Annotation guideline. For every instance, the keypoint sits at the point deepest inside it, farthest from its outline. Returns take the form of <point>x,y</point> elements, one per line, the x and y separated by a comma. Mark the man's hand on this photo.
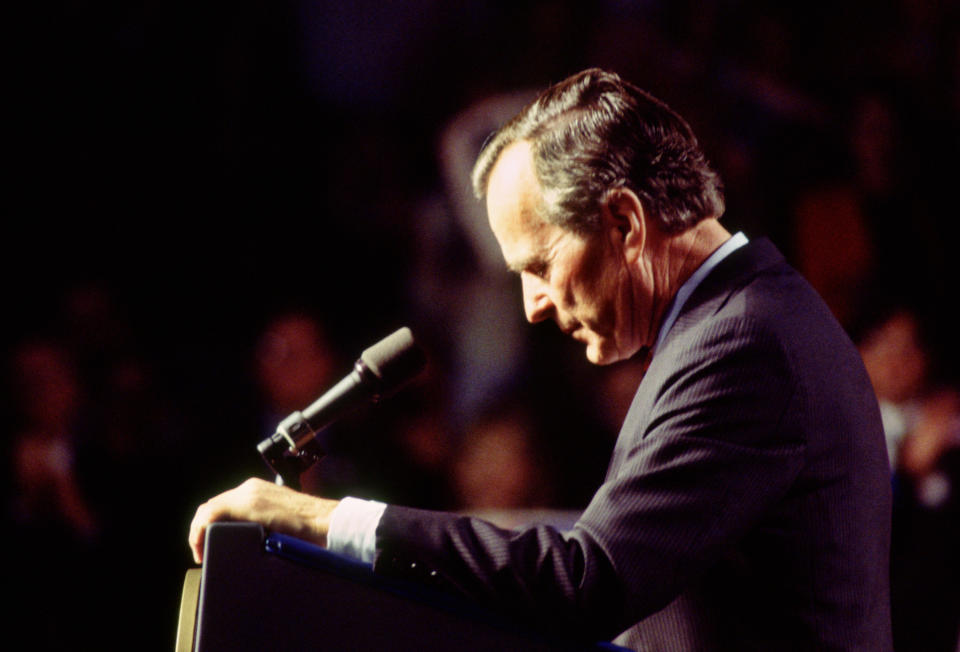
<point>279,509</point>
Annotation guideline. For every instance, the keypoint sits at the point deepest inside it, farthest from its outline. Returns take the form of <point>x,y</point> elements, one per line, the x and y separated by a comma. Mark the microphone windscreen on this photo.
<point>395,359</point>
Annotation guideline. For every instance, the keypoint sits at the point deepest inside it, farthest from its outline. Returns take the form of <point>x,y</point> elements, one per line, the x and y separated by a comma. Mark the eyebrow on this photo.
<point>517,266</point>
<point>527,263</point>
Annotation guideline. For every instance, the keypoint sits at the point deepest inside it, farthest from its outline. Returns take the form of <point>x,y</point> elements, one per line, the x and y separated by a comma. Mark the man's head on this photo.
<point>578,186</point>
<point>593,133</point>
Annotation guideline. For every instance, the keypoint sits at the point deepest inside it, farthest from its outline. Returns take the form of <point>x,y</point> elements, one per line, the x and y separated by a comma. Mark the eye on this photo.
<point>538,268</point>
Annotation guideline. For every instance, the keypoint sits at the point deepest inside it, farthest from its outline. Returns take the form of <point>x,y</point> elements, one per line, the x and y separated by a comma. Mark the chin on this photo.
<point>600,356</point>
<point>604,352</point>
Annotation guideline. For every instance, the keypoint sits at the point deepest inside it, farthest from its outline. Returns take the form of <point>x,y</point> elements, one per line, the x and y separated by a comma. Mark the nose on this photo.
<point>536,300</point>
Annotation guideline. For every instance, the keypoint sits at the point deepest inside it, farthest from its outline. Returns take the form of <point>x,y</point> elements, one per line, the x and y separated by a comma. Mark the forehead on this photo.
<point>513,204</point>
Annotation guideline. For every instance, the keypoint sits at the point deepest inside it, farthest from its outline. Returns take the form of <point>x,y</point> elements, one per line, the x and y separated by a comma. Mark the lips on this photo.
<point>577,333</point>
<point>569,330</point>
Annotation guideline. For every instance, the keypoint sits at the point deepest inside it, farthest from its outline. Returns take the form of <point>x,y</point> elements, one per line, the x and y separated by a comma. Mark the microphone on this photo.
<point>382,369</point>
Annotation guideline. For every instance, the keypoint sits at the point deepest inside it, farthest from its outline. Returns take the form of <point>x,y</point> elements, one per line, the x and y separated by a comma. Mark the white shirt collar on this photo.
<point>724,250</point>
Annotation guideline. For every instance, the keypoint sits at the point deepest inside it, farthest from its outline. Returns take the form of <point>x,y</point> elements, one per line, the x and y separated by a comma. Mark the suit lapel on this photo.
<point>734,272</point>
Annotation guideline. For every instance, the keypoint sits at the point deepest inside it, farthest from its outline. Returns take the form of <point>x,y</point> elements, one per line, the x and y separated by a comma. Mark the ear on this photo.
<point>624,221</point>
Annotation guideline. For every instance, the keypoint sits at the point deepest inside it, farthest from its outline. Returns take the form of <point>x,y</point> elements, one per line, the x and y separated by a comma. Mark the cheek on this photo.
<point>616,316</point>
<point>608,293</point>
<point>597,275</point>
<point>621,308</point>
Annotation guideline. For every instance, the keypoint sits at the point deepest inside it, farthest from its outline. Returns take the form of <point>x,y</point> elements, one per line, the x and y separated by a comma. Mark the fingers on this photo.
<point>198,531</point>
<point>226,506</point>
<point>196,540</point>
<point>277,508</point>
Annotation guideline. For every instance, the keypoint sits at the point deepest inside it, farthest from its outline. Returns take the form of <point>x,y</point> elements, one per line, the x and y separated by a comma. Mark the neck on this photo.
<point>687,251</point>
<point>676,258</point>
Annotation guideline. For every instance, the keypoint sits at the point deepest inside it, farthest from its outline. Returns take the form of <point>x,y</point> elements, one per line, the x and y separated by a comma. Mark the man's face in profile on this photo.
<point>578,281</point>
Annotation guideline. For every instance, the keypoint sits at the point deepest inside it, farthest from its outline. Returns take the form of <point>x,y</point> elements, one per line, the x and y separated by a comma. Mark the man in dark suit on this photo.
<point>747,502</point>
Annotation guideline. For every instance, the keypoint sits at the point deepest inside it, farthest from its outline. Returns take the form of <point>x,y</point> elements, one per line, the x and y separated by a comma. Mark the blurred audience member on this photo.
<point>294,366</point>
<point>54,531</point>
<point>935,433</point>
<point>834,248</point>
<point>96,331</point>
<point>92,431</point>
<point>921,418</point>
<point>864,209</point>
<point>128,435</point>
<point>47,496</point>
<point>841,222</point>
<point>499,465</point>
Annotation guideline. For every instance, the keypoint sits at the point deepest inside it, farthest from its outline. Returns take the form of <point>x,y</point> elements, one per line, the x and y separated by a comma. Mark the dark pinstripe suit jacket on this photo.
<point>747,502</point>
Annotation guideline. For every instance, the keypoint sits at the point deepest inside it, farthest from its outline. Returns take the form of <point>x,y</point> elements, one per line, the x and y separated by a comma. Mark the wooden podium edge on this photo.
<point>189,599</point>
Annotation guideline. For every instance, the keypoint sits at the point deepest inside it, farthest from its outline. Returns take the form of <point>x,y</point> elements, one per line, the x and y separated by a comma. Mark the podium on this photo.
<point>274,593</point>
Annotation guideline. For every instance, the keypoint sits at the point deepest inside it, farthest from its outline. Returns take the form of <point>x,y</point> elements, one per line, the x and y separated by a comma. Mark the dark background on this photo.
<point>200,166</point>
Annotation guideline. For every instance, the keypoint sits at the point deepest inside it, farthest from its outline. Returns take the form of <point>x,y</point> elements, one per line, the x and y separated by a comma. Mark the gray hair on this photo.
<point>593,133</point>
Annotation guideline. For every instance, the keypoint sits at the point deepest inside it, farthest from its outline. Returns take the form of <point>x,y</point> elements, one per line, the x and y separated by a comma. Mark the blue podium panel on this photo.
<point>279,594</point>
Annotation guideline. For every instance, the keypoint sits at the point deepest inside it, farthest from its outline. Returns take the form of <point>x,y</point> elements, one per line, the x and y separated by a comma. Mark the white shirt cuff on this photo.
<point>353,528</point>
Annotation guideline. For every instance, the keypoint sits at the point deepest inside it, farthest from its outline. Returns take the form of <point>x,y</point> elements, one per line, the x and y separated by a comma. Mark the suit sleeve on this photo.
<point>690,476</point>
